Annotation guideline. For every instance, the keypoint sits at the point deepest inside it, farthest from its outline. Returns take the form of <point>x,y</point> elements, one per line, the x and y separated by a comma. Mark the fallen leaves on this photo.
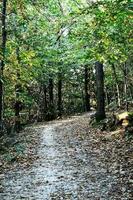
<point>19,149</point>
<point>71,160</point>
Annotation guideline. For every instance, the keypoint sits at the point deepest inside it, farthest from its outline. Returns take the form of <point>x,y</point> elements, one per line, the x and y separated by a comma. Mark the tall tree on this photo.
<point>51,113</point>
<point>2,61</point>
<point>117,85</point>
<point>60,107</point>
<point>100,112</point>
<point>87,82</point>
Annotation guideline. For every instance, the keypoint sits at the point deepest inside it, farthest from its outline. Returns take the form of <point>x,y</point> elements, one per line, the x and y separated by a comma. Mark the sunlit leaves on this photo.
<point>64,35</point>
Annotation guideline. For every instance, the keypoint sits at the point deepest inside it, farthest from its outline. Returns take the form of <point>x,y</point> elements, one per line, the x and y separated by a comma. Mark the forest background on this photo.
<point>61,57</point>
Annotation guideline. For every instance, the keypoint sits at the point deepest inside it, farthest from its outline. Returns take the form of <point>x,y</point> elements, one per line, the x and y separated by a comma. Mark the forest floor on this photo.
<point>67,160</point>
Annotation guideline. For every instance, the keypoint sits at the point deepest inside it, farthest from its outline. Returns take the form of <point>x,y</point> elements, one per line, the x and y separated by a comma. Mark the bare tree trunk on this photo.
<point>100,113</point>
<point>51,115</point>
<point>51,87</point>
<point>2,61</point>
<point>117,86</point>
<point>107,97</point>
<point>17,105</point>
<point>131,91</point>
<point>59,94</point>
<point>87,95</point>
<point>45,103</point>
<point>18,102</point>
<point>125,86</point>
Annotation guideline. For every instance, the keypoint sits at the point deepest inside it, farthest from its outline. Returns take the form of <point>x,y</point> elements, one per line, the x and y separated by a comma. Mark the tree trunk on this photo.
<point>59,95</point>
<point>131,91</point>
<point>100,112</point>
<point>51,114</point>
<point>87,95</point>
<point>45,103</point>
<point>2,61</point>
<point>107,97</point>
<point>18,103</point>
<point>51,87</point>
<point>117,86</point>
<point>125,86</point>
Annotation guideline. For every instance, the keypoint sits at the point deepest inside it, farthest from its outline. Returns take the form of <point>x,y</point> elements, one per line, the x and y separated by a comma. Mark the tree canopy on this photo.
<point>49,50</point>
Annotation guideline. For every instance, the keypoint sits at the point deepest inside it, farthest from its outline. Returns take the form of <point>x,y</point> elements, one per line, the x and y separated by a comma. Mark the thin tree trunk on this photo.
<point>107,97</point>
<point>2,61</point>
<point>17,105</point>
<point>59,95</point>
<point>17,91</point>
<point>125,86</point>
<point>117,86</point>
<point>45,106</point>
<point>87,95</point>
<point>51,100</point>
<point>100,113</point>
<point>115,94</point>
<point>51,87</point>
<point>131,91</point>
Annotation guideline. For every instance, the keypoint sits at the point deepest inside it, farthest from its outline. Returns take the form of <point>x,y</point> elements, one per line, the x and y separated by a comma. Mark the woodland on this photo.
<point>61,57</point>
<point>66,99</point>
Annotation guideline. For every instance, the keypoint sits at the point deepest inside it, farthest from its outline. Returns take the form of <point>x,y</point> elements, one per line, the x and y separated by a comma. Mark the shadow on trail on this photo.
<point>69,166</point>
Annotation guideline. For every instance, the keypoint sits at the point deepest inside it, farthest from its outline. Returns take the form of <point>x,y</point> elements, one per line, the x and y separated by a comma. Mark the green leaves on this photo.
<point>63,35</point>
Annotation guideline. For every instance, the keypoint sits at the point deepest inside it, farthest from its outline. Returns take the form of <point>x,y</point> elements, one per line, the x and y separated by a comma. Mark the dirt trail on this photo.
<point>71,165</point>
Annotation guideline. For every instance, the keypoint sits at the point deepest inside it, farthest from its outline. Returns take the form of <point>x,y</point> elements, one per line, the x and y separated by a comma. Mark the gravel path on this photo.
<point>71,166</point>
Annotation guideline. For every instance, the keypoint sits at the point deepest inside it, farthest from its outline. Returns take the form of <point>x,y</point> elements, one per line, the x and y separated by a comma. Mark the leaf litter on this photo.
<point>67,159</point>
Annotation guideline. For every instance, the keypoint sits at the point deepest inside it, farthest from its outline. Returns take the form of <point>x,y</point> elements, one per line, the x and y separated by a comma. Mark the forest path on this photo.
<point>72,164</point>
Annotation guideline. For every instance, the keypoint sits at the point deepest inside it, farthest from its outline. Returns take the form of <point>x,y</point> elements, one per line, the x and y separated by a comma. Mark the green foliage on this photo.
<point>62,36</point>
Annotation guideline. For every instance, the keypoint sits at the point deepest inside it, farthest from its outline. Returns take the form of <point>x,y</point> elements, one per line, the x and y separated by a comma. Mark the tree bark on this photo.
<point>45,103</point>
<point>107,97</point>
<point>125,86</point>
<point>117,86</point>
<point>18,103</point>
<point>51,114</point>
<point>59,95</point>
<point>100,112</point>
<point>51,87</point>
<point>87,95</point>
<point>2,61</point>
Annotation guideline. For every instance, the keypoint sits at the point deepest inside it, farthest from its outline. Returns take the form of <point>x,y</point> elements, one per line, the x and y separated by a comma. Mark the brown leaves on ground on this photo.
<point>113,149</point>
<point>19,150</point>
<point>80,160</point>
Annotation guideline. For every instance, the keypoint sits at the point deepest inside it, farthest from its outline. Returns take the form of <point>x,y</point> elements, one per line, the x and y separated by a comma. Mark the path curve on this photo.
<point>69,168</point>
